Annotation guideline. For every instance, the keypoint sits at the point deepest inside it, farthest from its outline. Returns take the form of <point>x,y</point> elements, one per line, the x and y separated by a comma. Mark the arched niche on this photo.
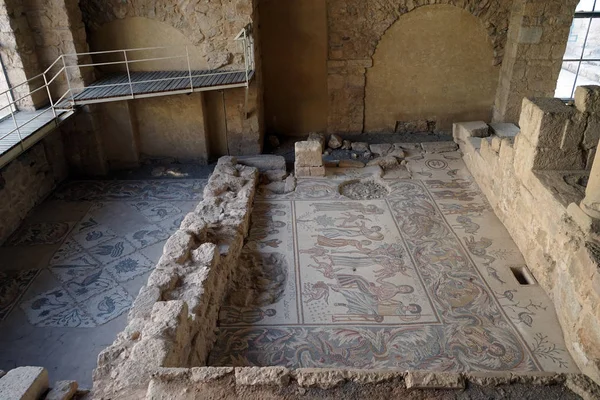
<point>435,63</point>
<point>141,32</point>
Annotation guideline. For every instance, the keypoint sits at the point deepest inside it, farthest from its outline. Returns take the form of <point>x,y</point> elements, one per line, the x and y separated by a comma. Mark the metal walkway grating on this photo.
<point>148,84</point>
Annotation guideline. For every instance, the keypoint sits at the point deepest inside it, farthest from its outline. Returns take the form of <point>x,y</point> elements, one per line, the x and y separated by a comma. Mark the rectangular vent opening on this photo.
<point>522,275</point>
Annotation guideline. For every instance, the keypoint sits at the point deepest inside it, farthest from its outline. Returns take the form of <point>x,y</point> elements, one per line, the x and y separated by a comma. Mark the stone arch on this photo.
<point>414,78</point>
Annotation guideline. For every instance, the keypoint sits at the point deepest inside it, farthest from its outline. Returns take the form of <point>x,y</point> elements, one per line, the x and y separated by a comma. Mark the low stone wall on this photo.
<point>172,321</point>
<point>281,383</point>
<point>27,180</point>
<point>523,177</point>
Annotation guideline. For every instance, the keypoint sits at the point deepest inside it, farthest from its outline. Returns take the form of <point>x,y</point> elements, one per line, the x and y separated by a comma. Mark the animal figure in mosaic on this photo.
<point>372,233</point>
<point>467,224</point>
<point>454,195</point>
<point>325,268</point>
<point>335,243</point>
<point>349,220</point>
<point>384,291</point>
<point>479,248</point>
<point>315,291</point>
<point>465,209</point>
<point>453,184</point>
<point>368,209</point>
<point>236,315</point>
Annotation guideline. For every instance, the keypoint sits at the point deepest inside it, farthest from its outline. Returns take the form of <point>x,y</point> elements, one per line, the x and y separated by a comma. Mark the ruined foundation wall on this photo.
<point>173,319</point>
<point>227,383</point>
<point>28,179</point>
<point>523,179</point>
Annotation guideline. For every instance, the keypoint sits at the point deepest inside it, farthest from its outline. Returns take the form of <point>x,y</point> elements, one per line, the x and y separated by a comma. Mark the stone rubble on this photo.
<point>335,141</point>
<point>24,383</point>
<point>172,321</point>
<point>62,390</point>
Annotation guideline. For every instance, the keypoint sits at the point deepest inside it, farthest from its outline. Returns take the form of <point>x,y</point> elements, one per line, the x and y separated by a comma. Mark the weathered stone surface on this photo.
<point>319,378</point>
<point>360,147</point>
<point>24,383</point>
<point>346,145</point>
<point>434,380</point>
<point>335,141</point>
<point>301,172</point>
<point>398,153</point>
<point>504,130</point>
<point>407,146</point>
<point>62,390</point>
<point>439,147</point>
<point>308,154</point>
<point>290,184</point>
<point>587,99</point>
<point>263,162</point>
<point>544,120</point>
<point>252,376</point>
<point>317,171</point>
<point>384,162</point>
<point>276,175</point>
<point>319,138</point>
<point>2,373</point>
<point>380,149</point>
<point>351,164</point>
<point>178,246</point>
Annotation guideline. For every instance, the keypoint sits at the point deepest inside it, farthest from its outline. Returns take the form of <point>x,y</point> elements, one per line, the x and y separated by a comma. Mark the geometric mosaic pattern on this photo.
<point>417,280</point>
<point>94,261</point>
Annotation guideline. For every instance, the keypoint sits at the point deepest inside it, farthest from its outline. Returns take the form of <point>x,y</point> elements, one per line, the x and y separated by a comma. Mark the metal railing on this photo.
<point>23,94</point>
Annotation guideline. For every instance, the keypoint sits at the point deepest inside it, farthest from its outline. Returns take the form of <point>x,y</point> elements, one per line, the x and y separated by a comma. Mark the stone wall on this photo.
<point>209,28</point>
<point>320,383</point>
<point>27,180</point>
<point>536,43</point>
<point>532,180</point>
<point>172,321</point>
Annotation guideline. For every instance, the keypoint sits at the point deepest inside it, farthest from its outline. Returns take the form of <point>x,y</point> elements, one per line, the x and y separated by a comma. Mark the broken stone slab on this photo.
<point>384,162</point>
<point>290,184</point>
<point>24,383</point>
<point>587,99</point>
<point>346,145</point>
<point>504,130</point>
<point>360,147</point>
<point>381,149</point>
<point>434,380</point>
<point>407,146</point>
<point>351,164</point>
<point>178,246</point>
<point>398,153</point>
<point>335,141</point>
<point>308,154</point>
<point>474,128</point>
<point>275,175</point>
<point>317,137</point>
<point>254,376</point>
<point>439,147</point>
<point>62,390</point>
<point>262,162</point>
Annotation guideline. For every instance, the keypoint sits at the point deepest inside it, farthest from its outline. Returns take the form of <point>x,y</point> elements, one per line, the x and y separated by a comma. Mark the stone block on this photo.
<point>584,221</point>
<point>530,34</point>
<point>591,135</point>
<point>473,129</point>
<point>62,390</point>
<point>317,137</point>
<point>384,162</point>
<point>301,172</point>
<point>24,383</point>
<point>360,146</point>
<point>381,149</point>
<point>574,130</point>
<point>434,380</point>
<point>504,130</point>
<point>317,171</point>
<point>253,376</point>
<point>263,162</point>
<point>439,147</point>
<point>178,246</point>
<point>587,99</point>
<point>543,121</point>
<point>496,143</point>
<point>308,154</point>
<point>335,141</point>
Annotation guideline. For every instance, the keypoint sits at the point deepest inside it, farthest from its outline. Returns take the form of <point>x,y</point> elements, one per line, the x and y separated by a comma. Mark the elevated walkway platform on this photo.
<point>123,86</point>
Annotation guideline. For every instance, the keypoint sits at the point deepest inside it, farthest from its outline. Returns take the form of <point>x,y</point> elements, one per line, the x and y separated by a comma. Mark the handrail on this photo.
<point>16,94</point>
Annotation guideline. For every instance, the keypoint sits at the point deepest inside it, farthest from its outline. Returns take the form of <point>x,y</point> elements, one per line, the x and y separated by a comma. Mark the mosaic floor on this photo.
<point>420,279</point>
<point>71,271</point>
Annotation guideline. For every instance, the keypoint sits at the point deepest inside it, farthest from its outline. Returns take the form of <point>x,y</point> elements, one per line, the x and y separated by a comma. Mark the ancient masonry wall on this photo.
<point>321,383</point>
<point>523,177</point>
<point>528,37</point>
<point>172,321</point>
<point>28,179</point>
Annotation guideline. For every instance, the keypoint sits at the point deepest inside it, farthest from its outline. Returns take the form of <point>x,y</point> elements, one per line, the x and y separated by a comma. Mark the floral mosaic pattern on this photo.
<point>418,280</point>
